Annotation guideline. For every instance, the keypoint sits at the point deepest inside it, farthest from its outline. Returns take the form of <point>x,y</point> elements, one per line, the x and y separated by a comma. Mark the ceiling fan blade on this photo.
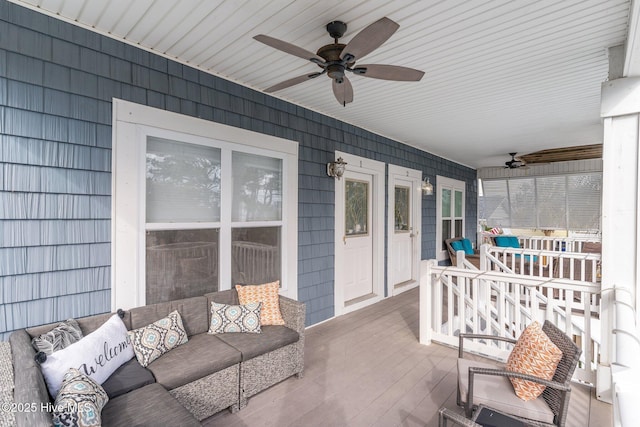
<point>389,72</point>
<point>289,48</point>
<point>291,82</point>
<point>369,39</point>
<point>343,91</point>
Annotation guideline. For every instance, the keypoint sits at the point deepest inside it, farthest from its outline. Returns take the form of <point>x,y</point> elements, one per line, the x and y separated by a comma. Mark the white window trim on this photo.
<point>131,124</point>
<point>452,184</point>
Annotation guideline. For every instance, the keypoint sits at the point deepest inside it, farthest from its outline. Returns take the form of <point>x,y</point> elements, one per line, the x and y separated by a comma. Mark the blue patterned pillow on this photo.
<point>235,318</point>
<point>79,401</point>
<point>156,339</point>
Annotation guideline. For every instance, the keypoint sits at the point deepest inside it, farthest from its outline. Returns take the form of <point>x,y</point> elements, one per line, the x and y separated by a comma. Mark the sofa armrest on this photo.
<point>293,313</point>
<point>29,386</point>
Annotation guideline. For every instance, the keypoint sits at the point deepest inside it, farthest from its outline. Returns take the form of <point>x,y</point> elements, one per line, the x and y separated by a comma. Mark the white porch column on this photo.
<point>620,110</point>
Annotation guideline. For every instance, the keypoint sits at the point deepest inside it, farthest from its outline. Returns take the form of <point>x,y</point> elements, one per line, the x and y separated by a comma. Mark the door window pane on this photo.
<point>402,212</point>
<point>257,188</point>
<point>182,182</point>
<point>446,203</point>
<point>255,255</point>
<point>356,207</point>
<point>181,264</point>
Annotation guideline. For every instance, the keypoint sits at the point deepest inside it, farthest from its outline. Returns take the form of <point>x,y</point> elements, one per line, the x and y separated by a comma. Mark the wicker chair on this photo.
<point>473,259</point>
<point>488,384</point>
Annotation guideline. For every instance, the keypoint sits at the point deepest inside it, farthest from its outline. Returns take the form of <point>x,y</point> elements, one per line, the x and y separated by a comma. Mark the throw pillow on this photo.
<point>467,246</point>
<point>97,355</point>
<point>156,339</point>
<point>268,295</point>
<point>235,318</point>
<point>79,402</point>
<point>533,354</point>
<point>456,245</point>
<point>63,335</point>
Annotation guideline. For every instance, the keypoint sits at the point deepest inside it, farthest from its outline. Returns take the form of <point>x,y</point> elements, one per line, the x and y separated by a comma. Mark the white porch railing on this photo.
<point>456,299</point>
<point>566,244</point>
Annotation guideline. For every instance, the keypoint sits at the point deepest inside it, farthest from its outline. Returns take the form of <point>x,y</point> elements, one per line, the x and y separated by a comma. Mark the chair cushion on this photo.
<point>534,354</point>
<point>150,405</point>
<point>202,355</point>
<point>253,345</point>
<point>497,392</point>
<point>507,241</point>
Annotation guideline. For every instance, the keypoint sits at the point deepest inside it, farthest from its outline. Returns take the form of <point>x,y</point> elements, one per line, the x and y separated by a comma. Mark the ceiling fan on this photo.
<point>513,163</point>
<point>336,59</point>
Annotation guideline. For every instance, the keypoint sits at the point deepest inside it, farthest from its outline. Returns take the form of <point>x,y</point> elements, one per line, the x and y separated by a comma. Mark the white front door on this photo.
<point>358,240</point>
<point>404,223</point>
<point>359,234</point>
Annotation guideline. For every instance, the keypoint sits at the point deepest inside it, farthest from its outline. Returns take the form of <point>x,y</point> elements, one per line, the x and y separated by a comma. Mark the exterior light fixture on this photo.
<point>336,169</point>
<point>427,187</point>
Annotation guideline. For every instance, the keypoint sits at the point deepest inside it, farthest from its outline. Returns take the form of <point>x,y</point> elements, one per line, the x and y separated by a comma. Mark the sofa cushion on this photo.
<point>63,335</point>
<point>126,378</point>
<point>253,345</point>
<point>194,313</point>
<point>227,318</point>
<point>202,355</point>
<point>79,402</point>
<point>87,324</point>
<point>158,338</point>
<point>97,355</point>
<point>150,405</point>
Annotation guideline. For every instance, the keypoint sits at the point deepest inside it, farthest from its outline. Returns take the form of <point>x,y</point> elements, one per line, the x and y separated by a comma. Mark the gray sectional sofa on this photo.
<point>189,383</point>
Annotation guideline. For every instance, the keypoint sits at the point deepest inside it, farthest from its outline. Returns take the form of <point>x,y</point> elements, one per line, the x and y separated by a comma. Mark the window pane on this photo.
<point>255,255</point>
<point>402,202</point>
<point>494,203</point>
<point>458,230</point>
<point>446,232</point>
<point>522,201</point>
<point>356,207</point>
<point>446,203</point>
<point>183,182</point>
<point>181,264</point>
<point>257,188</point>
<point>552,201</point>
<point>458,204</point>
<point>584,194</point>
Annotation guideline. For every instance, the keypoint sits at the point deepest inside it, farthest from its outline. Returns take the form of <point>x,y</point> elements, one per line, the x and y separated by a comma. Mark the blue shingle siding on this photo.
<point>57,82</point>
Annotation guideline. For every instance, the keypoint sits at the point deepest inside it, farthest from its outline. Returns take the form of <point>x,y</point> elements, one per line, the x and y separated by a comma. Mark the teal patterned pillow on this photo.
<point>79,401</point>
<point>156,339</point>
<point>235,318</point>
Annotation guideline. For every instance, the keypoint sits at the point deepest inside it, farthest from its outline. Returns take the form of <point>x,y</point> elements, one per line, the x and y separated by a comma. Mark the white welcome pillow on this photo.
<point>97,355</point>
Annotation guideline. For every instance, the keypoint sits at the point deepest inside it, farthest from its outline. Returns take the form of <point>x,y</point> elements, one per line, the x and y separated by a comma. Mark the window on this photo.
<point>449,212</point>
<point>199,207</point>
<point>571,202</point>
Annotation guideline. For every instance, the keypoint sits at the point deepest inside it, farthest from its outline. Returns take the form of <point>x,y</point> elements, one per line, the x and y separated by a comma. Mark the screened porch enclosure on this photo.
<point>564,198</point>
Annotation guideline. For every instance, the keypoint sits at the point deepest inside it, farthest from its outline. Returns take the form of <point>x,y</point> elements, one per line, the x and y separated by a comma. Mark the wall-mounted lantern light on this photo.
<point>336,169</point>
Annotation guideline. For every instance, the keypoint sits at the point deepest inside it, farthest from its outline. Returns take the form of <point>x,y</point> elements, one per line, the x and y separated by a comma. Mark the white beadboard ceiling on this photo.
<point>501,76</point>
